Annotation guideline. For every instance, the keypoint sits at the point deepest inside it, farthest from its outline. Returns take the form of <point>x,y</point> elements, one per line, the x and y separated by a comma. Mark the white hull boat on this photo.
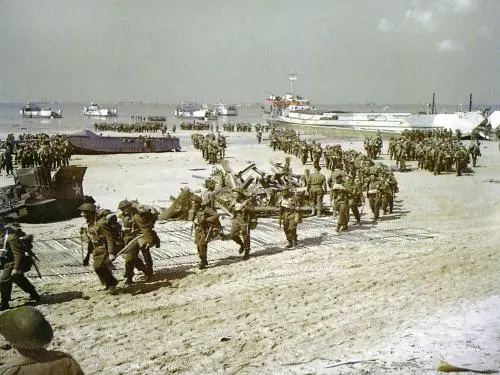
<point>294,110</point>
<point>222,109</point>
<point>191,111</point>
<point>34,111</point>
<point>93,110</point>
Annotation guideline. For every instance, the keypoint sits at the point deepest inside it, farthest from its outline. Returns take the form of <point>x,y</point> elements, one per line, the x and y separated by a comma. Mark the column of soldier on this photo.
<point>352,174</point>
<point>42,150</point>
<point>138,127</point>
<point>212,148</point>
<point>435,151</point>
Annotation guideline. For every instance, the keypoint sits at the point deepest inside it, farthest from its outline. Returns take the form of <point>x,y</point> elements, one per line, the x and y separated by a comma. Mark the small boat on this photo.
<point>35,111</point>
<point>222,109</point>
<point>90,143</point>
<point>191,111</point>
<point>94,110</point>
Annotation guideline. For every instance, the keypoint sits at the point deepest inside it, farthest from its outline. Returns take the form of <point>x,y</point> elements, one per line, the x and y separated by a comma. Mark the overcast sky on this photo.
<point>166,51</point>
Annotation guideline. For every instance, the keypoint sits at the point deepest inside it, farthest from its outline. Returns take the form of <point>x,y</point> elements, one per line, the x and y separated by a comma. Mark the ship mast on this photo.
<point>292,77</point>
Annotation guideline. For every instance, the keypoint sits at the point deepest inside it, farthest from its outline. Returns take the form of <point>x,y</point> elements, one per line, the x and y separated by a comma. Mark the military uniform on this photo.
<point>28,331</point>
<point>206,226</point>
<point>240,224</point>
<point>132,259</point>
<point>101,244</point>
<point>373,193</point>
<point>289,217</point>
<point>15,263</point>
<point>341,195</point>
<point>143,223</point>
<point>317,189</point>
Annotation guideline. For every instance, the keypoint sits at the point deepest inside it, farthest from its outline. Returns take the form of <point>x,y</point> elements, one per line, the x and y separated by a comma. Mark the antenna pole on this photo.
<point>292,77</point>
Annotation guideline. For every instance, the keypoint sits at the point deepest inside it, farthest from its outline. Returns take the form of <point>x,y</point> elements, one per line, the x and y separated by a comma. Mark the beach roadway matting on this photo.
<point>62,257</point>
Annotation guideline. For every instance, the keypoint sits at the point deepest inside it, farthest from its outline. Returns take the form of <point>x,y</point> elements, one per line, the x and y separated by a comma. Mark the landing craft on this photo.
<point>38,197</point>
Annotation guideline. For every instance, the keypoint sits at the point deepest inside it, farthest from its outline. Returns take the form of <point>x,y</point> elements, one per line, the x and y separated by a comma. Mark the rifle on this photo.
<point>28,248</point>
<point>208,233</point>
<point>128,246</point>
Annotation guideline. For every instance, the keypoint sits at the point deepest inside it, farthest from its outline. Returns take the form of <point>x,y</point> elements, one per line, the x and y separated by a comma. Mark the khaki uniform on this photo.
<point>207,226</point>
<point>341,196</point>
<point>317,189</point>
<point>101,244</point>
<point>289,217</point>
<point>132,259</point>
<point>240,228</point>
<point>14,258</point>
<point>373,193</point>
<point>52,362</point>
<point>143,223</point>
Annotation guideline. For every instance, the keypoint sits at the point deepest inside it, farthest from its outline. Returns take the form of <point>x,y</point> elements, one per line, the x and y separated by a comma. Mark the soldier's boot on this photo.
<point>6,290</point>
<point>238,240</point>
<point>246,255</point>
<point>128,280</point>
<point>290,245</point>
<point>23,283</point>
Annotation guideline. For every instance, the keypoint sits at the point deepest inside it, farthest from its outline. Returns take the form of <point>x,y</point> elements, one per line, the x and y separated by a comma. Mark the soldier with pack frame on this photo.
<point>101,244</point>
<point>132,259</point>
<point>206,226</point>
<point>15,260</point>
<point>143,223</point>
<point>242,221</point>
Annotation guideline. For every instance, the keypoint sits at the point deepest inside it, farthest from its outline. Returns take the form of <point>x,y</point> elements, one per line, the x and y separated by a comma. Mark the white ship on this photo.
<point>35,111</point>
<point>191,111</point>
<point>222,109</point>
<point>292,109</point>
<point>94,110</point>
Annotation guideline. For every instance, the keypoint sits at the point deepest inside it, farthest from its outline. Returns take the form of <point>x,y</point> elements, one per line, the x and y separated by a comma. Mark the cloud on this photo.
<point>448,45</point>
<point>424,18</point>
<point>385,25</point>
<point>456,6</point>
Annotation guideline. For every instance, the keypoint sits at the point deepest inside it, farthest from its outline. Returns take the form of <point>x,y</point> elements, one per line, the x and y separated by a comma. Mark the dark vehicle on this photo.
<point>38,197</point>
<point>89,143</point>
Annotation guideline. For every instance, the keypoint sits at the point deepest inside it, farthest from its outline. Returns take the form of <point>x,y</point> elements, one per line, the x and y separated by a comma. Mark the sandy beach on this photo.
<point>393,297</point>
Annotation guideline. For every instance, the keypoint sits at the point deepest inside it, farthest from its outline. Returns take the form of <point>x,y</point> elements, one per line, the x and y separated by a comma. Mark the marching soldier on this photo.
<point>317,190</point>
<point>101,244</point>
<point>206,226</point>
<point>373,193</point>
<point>240,224</point>
<point>15,263</point>
<point>289,217</point>
<point>356,198</point>
<point>132,259</point>
<point>341,196</point>
<point>143,223</point>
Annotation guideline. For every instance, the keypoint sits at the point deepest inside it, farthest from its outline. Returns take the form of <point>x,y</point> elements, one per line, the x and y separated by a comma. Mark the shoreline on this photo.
<point>385,291</point>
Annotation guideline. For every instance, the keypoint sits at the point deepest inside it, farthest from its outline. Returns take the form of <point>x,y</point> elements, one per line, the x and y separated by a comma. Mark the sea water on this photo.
<point>73,120</point>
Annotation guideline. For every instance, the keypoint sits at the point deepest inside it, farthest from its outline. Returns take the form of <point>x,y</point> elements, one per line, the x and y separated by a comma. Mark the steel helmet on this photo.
<point>124,203</point>
<point>26,328</point>
<point>87,207</point>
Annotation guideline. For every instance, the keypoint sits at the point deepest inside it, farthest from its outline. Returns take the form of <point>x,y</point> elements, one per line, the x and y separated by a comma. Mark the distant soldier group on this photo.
<point>138,127</point>
<point>437,152</point>
<point>35,150</point>
<point>212,148</point>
